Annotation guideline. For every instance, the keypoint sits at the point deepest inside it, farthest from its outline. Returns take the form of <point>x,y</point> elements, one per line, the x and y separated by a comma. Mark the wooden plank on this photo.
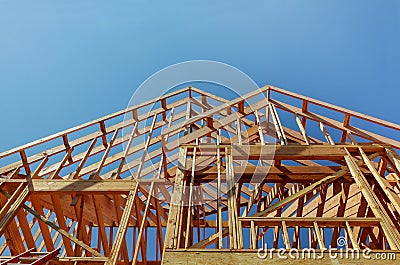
<point>144,217</point>
<point>127,147</point>
<point>26,229</point>
<point>42,225</point>
<point>13,205</point>
<point>85,157</point>
<point>302,129</point>
<point>145,150</point>
<point>117,186</point>
<point>233,213</point>
<point>391,234</point>
<point>352,237</point>
<point>40,167</point>
<point>66,158</point>
<point>189,216</point>
<point>62,223</point>
<point>346,123</point>
<point>12,238</point>
<point>338,125</point>
<point>25,162</point>
<point>123,225</point>
<point>58,229</point>
<point>253,235</point>
<point>100,223</point>
<point>385,186</point>
<point>285,235</point>
<point>219,194</point>
<point>215,110</point>
<point>260,131</point>
<point>319,235</point>
<point>296,152</point>
<point>170,235</point>
<point>393,159</point>
<point>209,240</point>
<point>338,109</point>
<point>309,221</point>
<point>304,108</point>
<point>300,193</point>
<point>105,155</point>
<point>117,204</point>
<point>326,133</point>
<point>278,126</point>
<point>80,231</point>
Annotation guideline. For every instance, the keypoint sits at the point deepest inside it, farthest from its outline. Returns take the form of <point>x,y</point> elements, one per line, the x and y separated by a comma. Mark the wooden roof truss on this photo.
<point>198,172</point>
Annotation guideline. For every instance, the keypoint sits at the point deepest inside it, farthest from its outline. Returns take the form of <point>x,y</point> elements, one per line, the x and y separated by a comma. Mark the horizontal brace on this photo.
<point>309,221</point>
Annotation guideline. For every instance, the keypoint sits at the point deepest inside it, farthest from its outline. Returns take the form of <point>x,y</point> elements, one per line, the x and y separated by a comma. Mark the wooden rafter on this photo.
<point>210,173</point>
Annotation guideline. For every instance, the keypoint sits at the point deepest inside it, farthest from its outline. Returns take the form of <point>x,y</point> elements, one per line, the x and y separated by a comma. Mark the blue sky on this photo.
<point>63,63</point>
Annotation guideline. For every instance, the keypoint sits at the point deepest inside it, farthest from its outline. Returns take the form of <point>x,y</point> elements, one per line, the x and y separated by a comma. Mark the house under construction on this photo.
<point>193,178</point>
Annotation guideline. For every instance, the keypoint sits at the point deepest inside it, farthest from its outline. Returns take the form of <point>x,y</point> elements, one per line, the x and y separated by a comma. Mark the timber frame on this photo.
<point>191,173</point>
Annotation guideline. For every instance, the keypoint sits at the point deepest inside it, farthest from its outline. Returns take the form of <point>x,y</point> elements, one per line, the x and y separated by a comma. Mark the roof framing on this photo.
<point>191,170</point>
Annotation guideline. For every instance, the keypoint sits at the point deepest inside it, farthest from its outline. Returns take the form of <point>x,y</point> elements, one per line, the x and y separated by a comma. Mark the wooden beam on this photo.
<point>209,240</point>
<point>62,224</point>
<point>123,225</point>
<point>353,239</point>
<point>112,186</point>
<point>58,229</point>
<point>300,193</point>
<point>278,126</point>
<point>13,205</point>
<point>100,223</point>
<point>320,239</point>
<point>391,234</point>
<point>309,221</point>
<point>176,199</point>
<point>302,129</point>
<point>383,183</point>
